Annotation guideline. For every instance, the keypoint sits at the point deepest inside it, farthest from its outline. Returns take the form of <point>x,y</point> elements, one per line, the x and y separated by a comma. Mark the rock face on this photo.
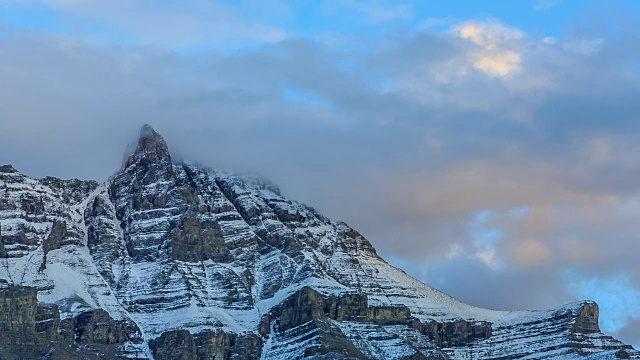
<point>29,330</point>
<point>176,344</point>
<point>454,333</point>
<point>587,319</point>
<point>98,327</point>
<point>18,336</point>
<point>174,261</point>
<point>207,345</point>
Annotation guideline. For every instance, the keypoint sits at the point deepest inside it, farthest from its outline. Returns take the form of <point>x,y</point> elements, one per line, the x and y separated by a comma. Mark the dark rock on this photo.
<point>389,315</point>
<point>303,306</point>
<point>212,345</point>
<point>55,238</point>
<point>18,308</point>
<point>454,333</point>
<point>48,320</point>
<point>18,336</point>
<point>3,253</point>
<point>7,169</point>
<point>622,354</point>
<point>20,236</point>
<point>143,190</point>
<point>353,240</point>
<point>218,345</point>
<point>151,156</point>
<point>350,307</point>
<point>265,325</point>
<point>587,319</point>
<point>333,344</point>
<point>73,191</point>
<point>174,345</point>
<point>308,311</point>
<point>207,345</point>
<point>307,304</point>
<point>32,204</point>
<point>197,240</point>
<point>98,327</point>
<point>102,236</point>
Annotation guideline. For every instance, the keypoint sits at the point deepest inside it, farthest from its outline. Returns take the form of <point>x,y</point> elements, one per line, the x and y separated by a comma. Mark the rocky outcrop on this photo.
<point>147,188</point>
<point>56,236</point>
<point>73,191</point>
<point>37,211</point>
<point>219,345</point>
<point>174,345</point>
<point>586,321</point>
<point>207,345</point>
<point>48,320</point>
<point>308,308</point>
<point>455,333</point>
<point>308,304</point>
<point>98,327</point>
<point>389,315</point>
<point>29,330</point>
<point>102,235</point>
<point>7,168</point>
<point>18,308</point>
<point>195,240</point>
<point>141,192</point>
<point>18,336</point>
<point>54,240</point>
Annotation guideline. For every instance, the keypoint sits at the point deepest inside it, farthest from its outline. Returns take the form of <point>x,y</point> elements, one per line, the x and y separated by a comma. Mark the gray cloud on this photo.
<point>412,138</point>
<point>191,24</point>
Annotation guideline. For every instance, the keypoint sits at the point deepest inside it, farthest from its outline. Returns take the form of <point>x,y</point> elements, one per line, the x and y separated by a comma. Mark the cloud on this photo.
<point>531,252</point>
<point>191,24</point>
<point>496,55</point>
<point>584,46</point>
<point>630,333</point>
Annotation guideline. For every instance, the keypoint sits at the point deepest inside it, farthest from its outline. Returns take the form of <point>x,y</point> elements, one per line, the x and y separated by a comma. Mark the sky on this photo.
<point>490,149</point>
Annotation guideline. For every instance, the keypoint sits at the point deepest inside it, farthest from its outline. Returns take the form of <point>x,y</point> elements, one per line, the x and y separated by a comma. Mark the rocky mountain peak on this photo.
<point>174,261</point>
<point>8,169</point>
<point>151,148</point>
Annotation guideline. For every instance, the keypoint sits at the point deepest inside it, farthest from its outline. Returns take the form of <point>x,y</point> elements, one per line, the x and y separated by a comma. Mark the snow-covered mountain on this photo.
<point>173,261</point>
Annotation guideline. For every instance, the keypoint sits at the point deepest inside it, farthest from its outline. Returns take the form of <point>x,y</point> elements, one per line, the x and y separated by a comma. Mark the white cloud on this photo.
<point>498,53</point>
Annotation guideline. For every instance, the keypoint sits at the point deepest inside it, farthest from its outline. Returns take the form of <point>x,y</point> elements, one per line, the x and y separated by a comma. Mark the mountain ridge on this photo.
<point>185,262</point>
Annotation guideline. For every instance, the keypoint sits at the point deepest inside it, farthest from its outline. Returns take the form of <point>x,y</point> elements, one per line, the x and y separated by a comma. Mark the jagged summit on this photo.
<point>151,160</point>
<point>174,261</point>
<point>152,148</point>
<point>8,169</point>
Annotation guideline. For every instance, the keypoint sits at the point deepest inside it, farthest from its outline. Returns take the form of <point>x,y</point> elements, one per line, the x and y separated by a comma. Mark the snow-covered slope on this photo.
<point>248,273</point>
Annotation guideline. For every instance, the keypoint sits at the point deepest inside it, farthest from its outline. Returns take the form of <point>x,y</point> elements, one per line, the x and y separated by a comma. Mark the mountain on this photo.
<point>173,261</point>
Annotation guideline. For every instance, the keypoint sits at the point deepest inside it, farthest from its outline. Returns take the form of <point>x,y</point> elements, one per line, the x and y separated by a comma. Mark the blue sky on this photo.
<point>475,140</point>
<point>105,22</point>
